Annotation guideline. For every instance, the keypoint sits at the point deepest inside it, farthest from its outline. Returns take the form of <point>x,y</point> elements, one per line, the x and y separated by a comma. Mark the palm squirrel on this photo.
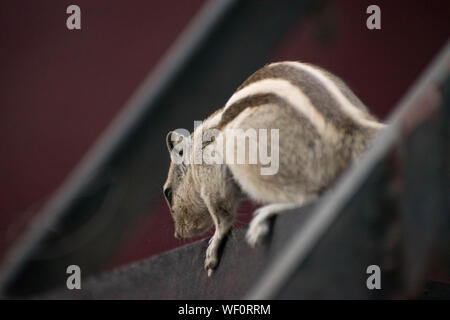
<point>317,127</point>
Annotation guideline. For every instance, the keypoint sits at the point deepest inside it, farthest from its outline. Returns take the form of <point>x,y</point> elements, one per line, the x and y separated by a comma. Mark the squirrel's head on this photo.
<point>188,211</point>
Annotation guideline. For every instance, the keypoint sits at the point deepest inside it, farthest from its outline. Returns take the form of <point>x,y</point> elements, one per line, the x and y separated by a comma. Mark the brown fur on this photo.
<point>204,195</point>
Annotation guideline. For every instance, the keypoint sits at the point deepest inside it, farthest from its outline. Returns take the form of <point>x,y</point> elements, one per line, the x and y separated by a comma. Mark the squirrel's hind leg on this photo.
<point>259,226</point>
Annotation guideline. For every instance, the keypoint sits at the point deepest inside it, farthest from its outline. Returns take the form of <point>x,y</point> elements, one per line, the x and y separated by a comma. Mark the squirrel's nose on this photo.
<point>177,235</point>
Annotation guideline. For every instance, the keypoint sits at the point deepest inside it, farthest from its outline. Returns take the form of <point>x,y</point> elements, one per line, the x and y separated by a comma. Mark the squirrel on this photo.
<point>321,126</point>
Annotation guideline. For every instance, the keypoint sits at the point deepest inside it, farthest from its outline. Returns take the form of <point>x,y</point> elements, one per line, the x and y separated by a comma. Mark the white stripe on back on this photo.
<point>351,110</point>
<point>292,95</point>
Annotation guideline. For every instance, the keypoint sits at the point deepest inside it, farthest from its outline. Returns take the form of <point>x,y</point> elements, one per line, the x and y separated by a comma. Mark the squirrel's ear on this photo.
<point>172,139</point>
<point>169,141</point>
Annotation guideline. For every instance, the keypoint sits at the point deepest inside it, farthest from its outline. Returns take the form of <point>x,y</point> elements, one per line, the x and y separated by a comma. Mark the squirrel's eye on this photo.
<point>168,195</point>
<point>180,153</point>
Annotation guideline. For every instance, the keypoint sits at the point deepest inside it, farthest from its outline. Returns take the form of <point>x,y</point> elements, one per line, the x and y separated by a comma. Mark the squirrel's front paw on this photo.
<point>211,260</point>
<point>257,231</point>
